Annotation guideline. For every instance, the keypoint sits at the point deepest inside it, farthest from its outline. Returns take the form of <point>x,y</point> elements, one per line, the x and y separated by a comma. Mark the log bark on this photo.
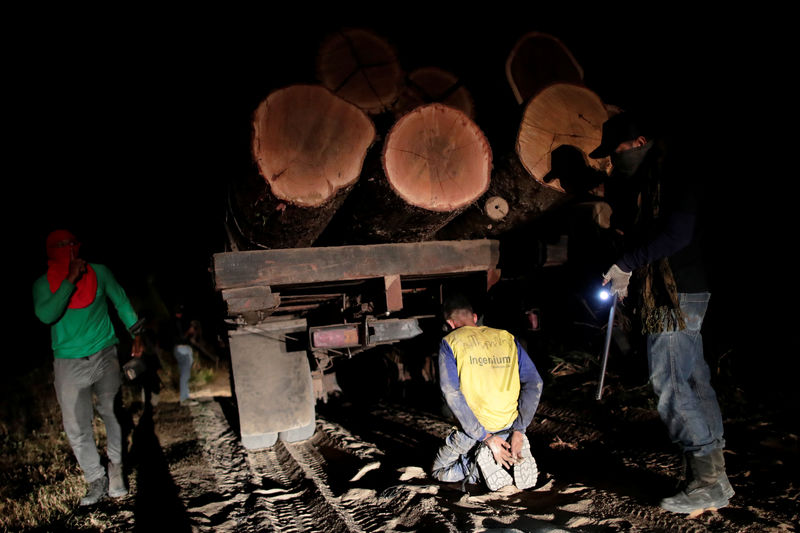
<point>538,60</point>
<point>361,67</point>
<point>434,162</point>
<point>434,85</point>
<point>562,114</point>
<point>559,126</point>
<point>513,199</point>
<point>308,148</point>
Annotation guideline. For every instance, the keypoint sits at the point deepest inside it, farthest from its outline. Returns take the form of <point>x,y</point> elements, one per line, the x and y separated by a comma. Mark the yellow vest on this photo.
<point>488,370</point>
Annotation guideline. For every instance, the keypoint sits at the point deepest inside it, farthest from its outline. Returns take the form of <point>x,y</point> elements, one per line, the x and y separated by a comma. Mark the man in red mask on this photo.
<point>72,297</point>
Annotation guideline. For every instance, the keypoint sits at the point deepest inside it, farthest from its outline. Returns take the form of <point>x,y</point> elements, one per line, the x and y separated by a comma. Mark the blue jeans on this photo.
<point>76,381</point>
<point>185,357</point>
<point>454,461</point>
<point>682,381</point>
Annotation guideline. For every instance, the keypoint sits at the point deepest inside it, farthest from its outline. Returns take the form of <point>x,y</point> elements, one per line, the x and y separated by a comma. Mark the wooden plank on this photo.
<point>343,263</point>
<point>245,299</point>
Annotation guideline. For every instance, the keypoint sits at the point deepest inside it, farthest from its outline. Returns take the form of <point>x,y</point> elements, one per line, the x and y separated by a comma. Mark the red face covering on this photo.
<point>58,269</point>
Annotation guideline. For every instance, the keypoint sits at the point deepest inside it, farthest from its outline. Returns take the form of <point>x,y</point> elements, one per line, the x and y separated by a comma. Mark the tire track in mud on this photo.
<point>358,515</point>
<point>273,489</point>
<point>283,488</point>
<point>235,506</point>
<point>341,480</point>
<point>396,500</point>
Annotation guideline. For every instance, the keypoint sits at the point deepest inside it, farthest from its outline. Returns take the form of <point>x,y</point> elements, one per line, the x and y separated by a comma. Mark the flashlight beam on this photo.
<point>607,346</point>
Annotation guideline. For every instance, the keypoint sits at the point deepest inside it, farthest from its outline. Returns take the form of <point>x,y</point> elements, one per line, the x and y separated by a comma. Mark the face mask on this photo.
<point>62,253</point>
<point>627,163</point>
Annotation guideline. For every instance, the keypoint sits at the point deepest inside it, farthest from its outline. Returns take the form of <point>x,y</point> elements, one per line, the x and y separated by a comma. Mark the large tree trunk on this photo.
<point>562,114</point>
<point>538,60</point>
<point>362,68</point>
<point>434,163</point>
<point>308,148</point>
<point>431,85</point>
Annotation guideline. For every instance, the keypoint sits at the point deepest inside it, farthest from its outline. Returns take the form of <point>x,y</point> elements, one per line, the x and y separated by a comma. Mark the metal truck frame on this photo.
<point>287,304</point>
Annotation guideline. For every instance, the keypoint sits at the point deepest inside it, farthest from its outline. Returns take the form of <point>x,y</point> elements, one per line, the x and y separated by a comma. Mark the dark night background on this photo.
<point>125,125</point>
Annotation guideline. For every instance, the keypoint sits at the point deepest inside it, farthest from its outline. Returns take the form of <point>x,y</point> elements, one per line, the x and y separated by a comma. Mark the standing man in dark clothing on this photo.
<point>150,380</point>
<point>72,297</point>
<point>656,197</point>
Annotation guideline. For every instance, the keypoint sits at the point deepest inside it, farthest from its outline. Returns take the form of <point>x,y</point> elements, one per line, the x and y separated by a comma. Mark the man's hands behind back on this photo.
<point>501,450</point>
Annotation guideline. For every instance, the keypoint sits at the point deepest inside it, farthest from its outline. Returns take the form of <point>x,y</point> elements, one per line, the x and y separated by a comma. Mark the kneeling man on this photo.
<point>493,388</point>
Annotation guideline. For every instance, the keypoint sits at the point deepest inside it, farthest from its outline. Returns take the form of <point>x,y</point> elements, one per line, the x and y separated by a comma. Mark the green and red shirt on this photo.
<point>80,332</point>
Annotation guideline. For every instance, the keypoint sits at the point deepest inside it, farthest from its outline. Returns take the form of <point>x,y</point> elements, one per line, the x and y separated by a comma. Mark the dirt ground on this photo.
<point>603,466</point>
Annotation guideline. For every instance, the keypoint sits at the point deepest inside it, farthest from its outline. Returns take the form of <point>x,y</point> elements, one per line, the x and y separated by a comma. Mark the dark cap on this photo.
<point>620,128</point>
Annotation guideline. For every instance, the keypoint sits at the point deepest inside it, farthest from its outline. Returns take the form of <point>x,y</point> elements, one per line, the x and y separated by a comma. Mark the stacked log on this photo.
<point>526,184</point>
<point>317,182</point>
<point>308,147</point>
<point>560,114</point>
<point>538,60</point>
<point>429,85</point>
<point>434,163</point>
<point>361,67</point>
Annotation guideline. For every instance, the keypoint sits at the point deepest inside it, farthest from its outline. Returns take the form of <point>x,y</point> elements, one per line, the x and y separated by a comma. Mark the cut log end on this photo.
<point>308,143</point>
<point>538,60</point>
<point>429,85</point>
<point>496,208</point>
<point>361,67</point>
<point>436,158</point>
<point>561,114</point>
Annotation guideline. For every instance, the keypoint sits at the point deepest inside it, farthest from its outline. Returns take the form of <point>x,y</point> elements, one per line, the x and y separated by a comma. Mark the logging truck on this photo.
<point>345,229</point>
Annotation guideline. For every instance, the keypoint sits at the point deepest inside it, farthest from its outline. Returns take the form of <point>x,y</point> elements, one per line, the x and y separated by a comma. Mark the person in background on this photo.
<point>493,389</point>
<point>183,331</point>
<point>72,298</point>
<point>657,194</point>
<point>150,380</point>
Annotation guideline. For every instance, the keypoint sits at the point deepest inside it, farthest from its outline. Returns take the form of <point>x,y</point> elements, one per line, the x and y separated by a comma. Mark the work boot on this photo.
<point>718,460</point>
<point>525,471</point>
<point>96,491</point>
<point>495,476</point>
<point>704,491</point>
<point>116,483</point>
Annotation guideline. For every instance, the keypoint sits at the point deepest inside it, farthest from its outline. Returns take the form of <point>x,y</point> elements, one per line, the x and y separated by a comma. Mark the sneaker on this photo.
<point>189,402</point>
<point>495,476</point>
<point>96,491</point>
<point>525,471</point>
<point>116,482</point>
